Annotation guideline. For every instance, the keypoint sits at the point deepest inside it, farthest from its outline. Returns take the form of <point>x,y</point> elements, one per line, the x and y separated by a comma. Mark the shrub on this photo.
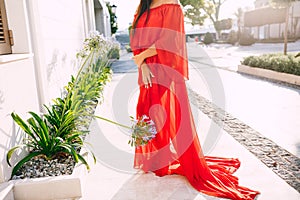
<point>114,52</point>
<point>232,37</point>
<point>208,38</point>
<point>246,39</point>
<point>277,62</point>
<point>128,48</point>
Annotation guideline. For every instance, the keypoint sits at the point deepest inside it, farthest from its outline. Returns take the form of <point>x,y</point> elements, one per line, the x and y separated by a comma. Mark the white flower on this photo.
<point>142,131</point>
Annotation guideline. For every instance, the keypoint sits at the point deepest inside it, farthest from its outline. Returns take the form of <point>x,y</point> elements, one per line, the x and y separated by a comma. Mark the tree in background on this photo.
<point>239,15</point>
<point>113,19</point>
<point>212,9</point>
<point>209,8</point>
<point>193,11</point>
<point>224,24</point>
<point>284,4</point>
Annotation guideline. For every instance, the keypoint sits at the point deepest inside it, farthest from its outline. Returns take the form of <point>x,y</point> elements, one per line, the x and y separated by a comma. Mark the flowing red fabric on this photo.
<point>176,148</point>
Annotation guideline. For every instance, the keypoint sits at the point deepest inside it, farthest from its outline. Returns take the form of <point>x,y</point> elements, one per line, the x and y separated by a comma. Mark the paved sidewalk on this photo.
<point>113,176</point>
<point>269,107</point>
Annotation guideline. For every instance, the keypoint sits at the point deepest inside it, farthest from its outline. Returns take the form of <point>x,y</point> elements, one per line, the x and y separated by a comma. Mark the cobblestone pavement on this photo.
<point>279,160</point>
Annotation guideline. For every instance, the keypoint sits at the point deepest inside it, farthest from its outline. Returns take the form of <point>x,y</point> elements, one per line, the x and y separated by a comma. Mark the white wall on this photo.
<point>61,34</point>
<point>48,34</point>
<point>62,30</point>
<point>18,91</point>
<point>17,94</point>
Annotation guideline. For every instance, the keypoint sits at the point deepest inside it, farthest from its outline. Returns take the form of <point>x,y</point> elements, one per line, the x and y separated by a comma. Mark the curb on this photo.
<point>269,74</point>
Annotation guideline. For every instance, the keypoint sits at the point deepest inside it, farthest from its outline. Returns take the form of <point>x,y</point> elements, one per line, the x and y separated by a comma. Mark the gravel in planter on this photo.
<point>41,167</point>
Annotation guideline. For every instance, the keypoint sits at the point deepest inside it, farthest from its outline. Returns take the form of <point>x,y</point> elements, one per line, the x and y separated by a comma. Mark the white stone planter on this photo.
<point>60,187</point>
<point>65,187</point>
<point>265,73</point>
<point>6,191</point>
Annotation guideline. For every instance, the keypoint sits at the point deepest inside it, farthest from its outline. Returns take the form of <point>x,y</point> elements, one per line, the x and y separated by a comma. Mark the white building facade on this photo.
<point>274,30</point>
<point>46,34</point>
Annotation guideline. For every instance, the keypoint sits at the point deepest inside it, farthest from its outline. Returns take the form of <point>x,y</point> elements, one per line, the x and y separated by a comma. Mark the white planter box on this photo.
<point>265,73</point>
<point>65,187</point>
<point>60,187</point>
<point>6,191</point>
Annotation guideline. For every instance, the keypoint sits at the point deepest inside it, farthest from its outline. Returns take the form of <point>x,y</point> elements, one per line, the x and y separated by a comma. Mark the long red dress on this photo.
<point>176,148</point>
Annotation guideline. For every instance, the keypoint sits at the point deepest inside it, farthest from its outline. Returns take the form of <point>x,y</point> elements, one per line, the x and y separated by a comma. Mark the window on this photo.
<point>5,39</point>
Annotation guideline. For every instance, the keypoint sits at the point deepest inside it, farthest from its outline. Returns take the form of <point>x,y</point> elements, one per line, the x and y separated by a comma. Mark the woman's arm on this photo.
<point>140,58</point>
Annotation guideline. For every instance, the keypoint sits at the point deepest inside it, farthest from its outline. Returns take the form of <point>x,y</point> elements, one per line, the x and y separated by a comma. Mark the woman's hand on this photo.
<point>138,59</point>
<point>146,75</point>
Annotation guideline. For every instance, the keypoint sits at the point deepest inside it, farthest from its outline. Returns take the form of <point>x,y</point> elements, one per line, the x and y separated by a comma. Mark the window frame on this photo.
<point>5,47</point>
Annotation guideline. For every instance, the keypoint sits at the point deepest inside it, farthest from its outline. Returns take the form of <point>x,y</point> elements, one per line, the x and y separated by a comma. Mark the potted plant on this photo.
<point>58,134</point>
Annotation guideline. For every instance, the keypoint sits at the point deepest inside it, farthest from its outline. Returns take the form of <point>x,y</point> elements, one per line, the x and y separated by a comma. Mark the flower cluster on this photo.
<point>95,42</point>
<point>143,130</point>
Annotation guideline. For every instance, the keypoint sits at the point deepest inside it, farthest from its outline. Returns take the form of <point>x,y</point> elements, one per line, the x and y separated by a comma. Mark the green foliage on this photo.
<point>224,24</point>
<point>198,10</point>
<point>246,39</point>
<point>277,62</point>
<point>64,125</point>
<point>193,11</point>
<point>232,37</point>
<point>128,48</point>
<point>114,52</point>
<point>208,38</point>
<point>113,18</point>
<point>41,141</point>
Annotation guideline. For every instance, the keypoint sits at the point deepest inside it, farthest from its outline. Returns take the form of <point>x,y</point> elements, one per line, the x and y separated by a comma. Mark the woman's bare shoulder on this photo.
<point>171,1</point>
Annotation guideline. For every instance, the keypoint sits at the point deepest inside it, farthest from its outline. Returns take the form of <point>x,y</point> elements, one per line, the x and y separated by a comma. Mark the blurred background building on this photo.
<point>267,23</point>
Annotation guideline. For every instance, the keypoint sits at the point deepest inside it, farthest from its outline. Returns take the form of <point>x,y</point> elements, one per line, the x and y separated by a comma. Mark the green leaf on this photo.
<point>24,160</point>
<point>44,128</point>
<point>84,162</point>
<point>21,123</point>
<point>11,151</point>
<point>70,150</point>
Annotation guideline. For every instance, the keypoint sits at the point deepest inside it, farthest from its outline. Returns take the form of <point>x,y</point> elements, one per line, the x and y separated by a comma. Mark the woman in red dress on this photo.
<point>159,48</point>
